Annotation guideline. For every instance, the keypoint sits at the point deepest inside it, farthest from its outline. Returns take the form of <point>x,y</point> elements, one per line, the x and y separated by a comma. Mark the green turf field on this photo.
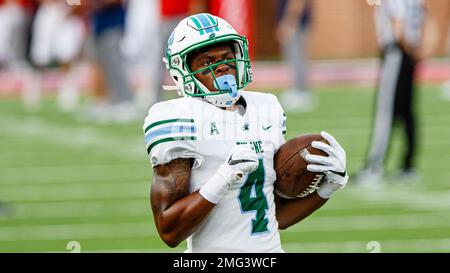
<point>62,180</point>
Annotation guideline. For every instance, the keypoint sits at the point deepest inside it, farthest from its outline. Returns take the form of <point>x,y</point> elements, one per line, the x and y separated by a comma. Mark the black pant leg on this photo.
<point>404,112</point>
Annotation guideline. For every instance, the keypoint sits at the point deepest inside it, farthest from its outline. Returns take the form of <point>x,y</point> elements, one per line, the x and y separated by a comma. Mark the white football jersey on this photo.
<point>244,220</point>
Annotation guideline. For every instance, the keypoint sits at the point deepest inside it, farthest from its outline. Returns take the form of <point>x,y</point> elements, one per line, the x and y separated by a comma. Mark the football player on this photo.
<point>212,151</point>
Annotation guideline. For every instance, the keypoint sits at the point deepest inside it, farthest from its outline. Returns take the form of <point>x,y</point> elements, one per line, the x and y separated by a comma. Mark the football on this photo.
<point>293,179</point>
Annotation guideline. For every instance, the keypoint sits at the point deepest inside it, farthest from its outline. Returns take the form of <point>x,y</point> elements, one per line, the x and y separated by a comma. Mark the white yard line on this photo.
<point>408,245</point>
<point>83,210</point>
<point>75,192</point>
<point>144,250</point>
<point>147,228</point>
<point>373,222</point>
<point>409,196</point>
<point>78,231</point>
<point>69,137</point>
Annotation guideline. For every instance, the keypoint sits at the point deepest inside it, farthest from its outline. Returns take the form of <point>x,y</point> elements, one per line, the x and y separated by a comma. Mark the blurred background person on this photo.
<point>16,18</point>
<point>294,20</point>
<point>13,21</point>
<point>116,104</point>
<point>142,48</point>
<point>58,35</point>
<point>399,26</point>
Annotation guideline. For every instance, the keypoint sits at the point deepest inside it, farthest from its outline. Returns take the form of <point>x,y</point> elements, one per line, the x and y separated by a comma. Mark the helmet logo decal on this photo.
<point>170,41</point>
<point>204,23</point>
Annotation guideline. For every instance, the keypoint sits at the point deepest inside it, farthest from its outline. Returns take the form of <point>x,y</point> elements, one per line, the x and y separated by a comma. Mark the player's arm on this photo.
<point>177,213</point>
<point>291,211</point>
<point>333,166</point>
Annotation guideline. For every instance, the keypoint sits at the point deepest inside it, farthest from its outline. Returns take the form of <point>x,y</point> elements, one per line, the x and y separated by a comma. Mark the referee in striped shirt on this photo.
<point>399,25</point>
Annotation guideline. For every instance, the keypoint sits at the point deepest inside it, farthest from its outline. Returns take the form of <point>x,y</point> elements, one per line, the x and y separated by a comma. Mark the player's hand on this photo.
<point>241,161</point>
<point>333,165</point>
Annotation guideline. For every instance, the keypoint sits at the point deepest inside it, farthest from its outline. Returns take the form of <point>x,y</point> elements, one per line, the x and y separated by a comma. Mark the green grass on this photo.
<point>64,180</point>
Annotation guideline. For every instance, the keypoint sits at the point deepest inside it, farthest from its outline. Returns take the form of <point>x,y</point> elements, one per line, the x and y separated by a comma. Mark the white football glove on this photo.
<point>333,165</point>
<point>241,161</point>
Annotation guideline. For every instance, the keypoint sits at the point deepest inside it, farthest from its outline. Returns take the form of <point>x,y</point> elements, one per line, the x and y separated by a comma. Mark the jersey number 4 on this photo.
<point>252,199</point>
